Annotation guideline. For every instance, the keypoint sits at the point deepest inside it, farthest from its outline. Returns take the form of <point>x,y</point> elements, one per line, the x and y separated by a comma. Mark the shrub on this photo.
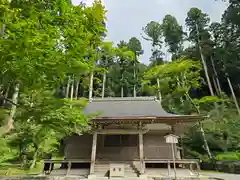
<point>228,156</point>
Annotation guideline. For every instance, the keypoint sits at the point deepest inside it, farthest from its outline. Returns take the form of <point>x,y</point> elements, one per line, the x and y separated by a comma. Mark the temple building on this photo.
<point>127,140</point>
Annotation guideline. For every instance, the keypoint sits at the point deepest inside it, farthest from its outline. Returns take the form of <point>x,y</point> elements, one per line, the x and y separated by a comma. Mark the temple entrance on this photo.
<point>120,140</point>
<point>117,147</point>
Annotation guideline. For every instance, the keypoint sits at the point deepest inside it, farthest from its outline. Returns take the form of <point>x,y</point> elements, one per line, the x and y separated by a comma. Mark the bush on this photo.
<point>232,156</point>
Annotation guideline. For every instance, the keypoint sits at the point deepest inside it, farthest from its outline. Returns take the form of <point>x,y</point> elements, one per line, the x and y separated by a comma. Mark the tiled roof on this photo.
<point>126,107</point>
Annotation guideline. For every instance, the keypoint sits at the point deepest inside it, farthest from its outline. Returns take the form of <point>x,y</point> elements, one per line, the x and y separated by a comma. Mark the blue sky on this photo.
<point>125,18</point>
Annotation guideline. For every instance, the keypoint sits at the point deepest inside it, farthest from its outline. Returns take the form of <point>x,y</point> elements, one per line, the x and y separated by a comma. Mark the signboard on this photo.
<point>171,139</point>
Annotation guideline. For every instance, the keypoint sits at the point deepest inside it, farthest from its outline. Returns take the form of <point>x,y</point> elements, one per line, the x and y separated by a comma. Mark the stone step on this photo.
<point>101,170</point>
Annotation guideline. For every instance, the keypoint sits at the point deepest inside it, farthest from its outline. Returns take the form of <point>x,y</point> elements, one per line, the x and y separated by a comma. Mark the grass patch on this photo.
<point>15,169</point>
<point>9,169</point>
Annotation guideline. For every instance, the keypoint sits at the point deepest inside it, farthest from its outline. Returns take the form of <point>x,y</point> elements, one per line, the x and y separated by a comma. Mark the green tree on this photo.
<point>124,59</point>
<point>135,46</point>
<point>173,35</point>
<point>43,44</point>
<point>43,119</point>
<point>196,23</point>
<point>107,59</point>
<point>154,33</point>
<point>177,79</point>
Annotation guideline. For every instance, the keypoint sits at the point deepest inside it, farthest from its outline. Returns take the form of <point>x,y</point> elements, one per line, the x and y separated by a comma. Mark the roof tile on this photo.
<point>127,107</point>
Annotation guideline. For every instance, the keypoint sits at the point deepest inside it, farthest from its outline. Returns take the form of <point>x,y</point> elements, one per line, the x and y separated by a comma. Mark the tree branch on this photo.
<point>8,100</point>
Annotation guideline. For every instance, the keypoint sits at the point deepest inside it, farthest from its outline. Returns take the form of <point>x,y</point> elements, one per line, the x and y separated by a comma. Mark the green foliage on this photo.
<point>173,35</point>
<point>6,151</point>
<point>154,32</point>
<point>41,44</point>
<point>196,19</point>
<point>135,46</point>
<point>228,156</point>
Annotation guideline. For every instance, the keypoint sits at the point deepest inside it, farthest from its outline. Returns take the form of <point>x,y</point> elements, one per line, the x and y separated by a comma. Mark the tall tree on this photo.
<point>124,59</point>
<point>153,32</point>
<point>196,22</point>
<point>43,44</point>
<point>177,79</point>
<point>173,35</point>
<point>135,46</point>
<point>107,59</point>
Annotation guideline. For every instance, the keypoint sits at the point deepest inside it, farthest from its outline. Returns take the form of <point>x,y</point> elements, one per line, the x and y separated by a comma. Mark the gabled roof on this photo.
<point>129,108</point>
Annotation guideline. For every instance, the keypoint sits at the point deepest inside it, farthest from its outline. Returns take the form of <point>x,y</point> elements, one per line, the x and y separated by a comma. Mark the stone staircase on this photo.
<point>102,169</point>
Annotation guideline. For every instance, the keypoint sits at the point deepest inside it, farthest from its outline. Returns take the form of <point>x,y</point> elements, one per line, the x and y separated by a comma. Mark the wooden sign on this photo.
<point>171,139</point>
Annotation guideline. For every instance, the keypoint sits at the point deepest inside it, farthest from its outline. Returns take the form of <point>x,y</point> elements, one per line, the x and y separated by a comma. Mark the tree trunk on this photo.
<point>134,76</point>
<point>33,163</point>
<point>90,86</point>
<point>233,94</point>
<point>103,83</point>
<point>122,93</point>
<point>134,86</point>
<point>201,127</point>
<point>68,87</point>
<point>204,64</point>
<point>77,88</point>
<point>215,85</point>
<point>159,92</point>
<point>219,90</point>
<point>205,140</point>
<point>72,89</point>
<point>2,30</point>
<point>13,109</point>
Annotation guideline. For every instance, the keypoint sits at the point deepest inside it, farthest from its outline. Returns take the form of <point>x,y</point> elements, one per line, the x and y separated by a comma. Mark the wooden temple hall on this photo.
<point>127,140</point>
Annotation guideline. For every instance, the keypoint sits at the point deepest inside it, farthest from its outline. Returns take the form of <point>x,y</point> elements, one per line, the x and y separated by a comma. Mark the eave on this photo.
<point>148,120</point>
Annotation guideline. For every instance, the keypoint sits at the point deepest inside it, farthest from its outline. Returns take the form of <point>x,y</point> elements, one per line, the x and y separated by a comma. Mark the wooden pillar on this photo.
<point>93,156</point>
<point>69,167</point>
<point>141,154</point>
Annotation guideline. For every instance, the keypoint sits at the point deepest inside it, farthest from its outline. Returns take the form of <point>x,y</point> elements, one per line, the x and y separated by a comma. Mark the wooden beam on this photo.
<point>137,118</point>
<point>147,120</point>
<point>93,156</point>
<point>121,131</point>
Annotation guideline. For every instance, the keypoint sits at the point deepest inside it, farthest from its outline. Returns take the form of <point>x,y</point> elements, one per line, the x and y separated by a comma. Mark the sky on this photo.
<point>126,18</point>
